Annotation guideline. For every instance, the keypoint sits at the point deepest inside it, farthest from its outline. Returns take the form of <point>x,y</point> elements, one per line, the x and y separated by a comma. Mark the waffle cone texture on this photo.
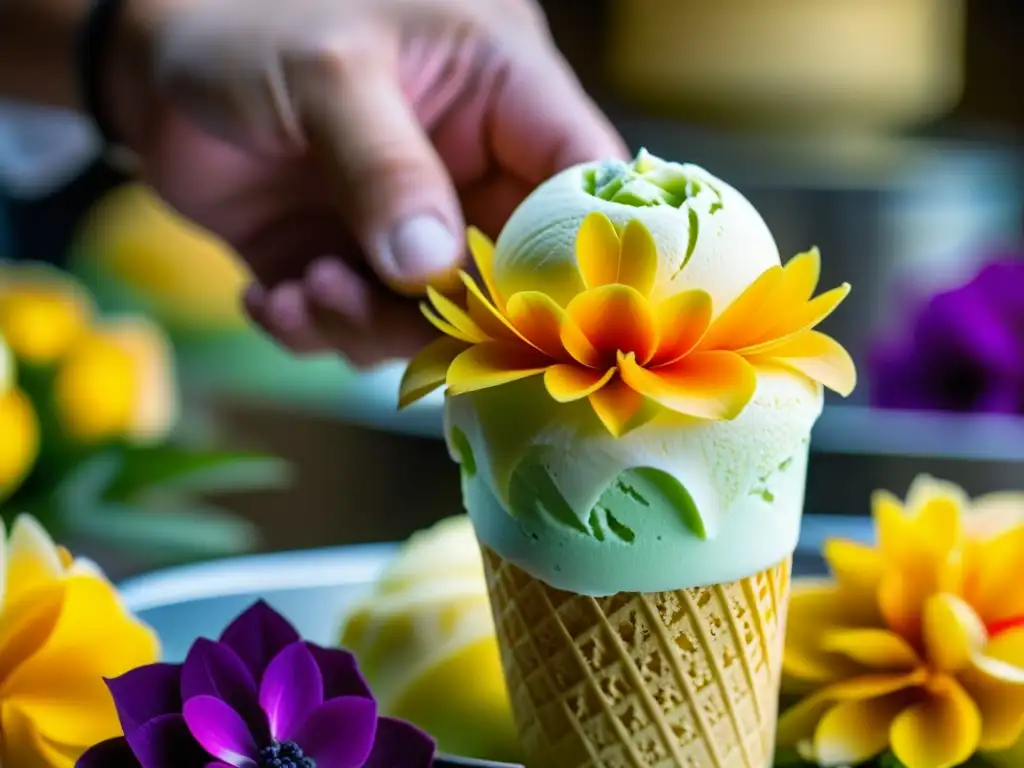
<point>688,678</point>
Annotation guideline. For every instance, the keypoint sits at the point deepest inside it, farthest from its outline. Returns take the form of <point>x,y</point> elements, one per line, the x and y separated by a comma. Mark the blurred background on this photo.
<point>887,132</point>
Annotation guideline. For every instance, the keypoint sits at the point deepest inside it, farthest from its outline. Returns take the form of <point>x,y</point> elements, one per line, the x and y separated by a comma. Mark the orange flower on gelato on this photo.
<point>917,644</point>
<point>614,345</point>
<point>63,630</point>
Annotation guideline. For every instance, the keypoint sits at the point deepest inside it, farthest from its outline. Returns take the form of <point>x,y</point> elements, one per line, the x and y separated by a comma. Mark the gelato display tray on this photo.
<point>315,588</point>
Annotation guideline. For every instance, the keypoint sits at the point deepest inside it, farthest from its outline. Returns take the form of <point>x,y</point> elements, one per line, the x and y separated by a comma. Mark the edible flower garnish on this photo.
<point>614,345</point>
<point>916,646</point>
<point>260,697</point>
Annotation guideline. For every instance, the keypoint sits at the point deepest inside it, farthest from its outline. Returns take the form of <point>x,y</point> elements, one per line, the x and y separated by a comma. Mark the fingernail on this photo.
<point>423,247</point>
<point>286,307</point>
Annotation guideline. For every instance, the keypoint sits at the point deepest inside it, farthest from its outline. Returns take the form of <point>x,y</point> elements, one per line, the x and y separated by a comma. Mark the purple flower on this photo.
<point>260,697</point>
<point>964,350</point>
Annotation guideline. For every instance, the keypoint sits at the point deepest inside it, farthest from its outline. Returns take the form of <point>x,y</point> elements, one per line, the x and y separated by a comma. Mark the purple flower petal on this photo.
<point>213,669</point>
<point>292,688</point>
<point>165,742</point>
<point>340,673</point>
<point>257,636</point>
<point>113,753</point>
<point>340,733</point>
<point>145,693</point>
<point>400,745</point>
<point>220,731</point>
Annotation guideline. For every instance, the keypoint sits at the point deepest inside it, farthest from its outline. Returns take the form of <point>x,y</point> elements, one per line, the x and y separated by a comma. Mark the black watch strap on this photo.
<point>95,38</point>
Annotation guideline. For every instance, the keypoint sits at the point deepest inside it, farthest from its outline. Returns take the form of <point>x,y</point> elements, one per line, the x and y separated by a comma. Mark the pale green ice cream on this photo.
<point>680,501</point>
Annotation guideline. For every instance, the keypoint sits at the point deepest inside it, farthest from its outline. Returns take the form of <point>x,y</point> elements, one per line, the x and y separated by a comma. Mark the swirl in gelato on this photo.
<point>631,393</point>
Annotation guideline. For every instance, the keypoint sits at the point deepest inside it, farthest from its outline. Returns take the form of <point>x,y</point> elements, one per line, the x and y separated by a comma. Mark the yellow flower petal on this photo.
<point>26,624</point>
<point>483,254</point>
<point>620,408</point>
<point>492,364</point>
<point>638,259</point>
<point>615,318</point>
<point>739,322</point>
<point>926,490</point>
<point>597,250</point>
<point>428,370</point>
<point>708,385</point>
<point>996,685</point>
<point>682,322</point>
<point>802,273</point>
<point>815,609</point>
<point>567,383</point>
<point>799,721</point>
<point>857,569</point>
<point>994,573</point>
<point>854,731</point>
<point>952,632</point>
<point>941,732</point>
<point>815,355</point>
<point>445,327</point>
<point>802,318</point>
<point>456,316</point>
<point>492,322</point>
<point>873,648</point>
<point>539,320</point>
<point>32,557</point>
<point>22,745</point>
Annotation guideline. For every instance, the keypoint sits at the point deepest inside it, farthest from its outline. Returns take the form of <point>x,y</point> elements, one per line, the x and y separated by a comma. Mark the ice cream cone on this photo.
<point>682,678</point>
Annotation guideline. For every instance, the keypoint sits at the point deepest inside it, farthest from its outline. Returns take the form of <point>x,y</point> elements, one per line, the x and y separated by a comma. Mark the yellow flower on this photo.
<point>63,630</point>
<point>42,312</point>
<point>917,644</point>
<point>425,641</point>
<point>183,274</point>
<point>7,366</point>
<point>118,382</point>
<point>19,439</point>
<point>612,344</point>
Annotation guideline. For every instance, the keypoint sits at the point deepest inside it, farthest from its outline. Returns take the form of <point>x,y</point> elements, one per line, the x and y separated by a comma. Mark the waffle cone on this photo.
<point>668,679</point>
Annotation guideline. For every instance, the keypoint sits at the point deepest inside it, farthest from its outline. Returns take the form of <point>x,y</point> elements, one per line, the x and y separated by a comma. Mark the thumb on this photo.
<point>393,189</point>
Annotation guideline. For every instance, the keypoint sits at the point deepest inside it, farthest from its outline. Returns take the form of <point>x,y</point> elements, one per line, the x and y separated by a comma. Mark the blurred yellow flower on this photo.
<point>425,642</point>
<point>118,382</point>
<point>917,645</point>
<point>19,439</point>
<point>7,366</point>
<point>42,312</point>
<point>183,274</point>
<point>63,630</point>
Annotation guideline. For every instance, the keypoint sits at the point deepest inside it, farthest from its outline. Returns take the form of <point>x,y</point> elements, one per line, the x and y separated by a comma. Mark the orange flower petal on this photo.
<point>620,408</point>
<point>615,318</point>
<point>952,632</point>
<point>873,648</point>
<point>492,364</point>
<point>940,732</point>
<point>428,370</point>
<point>456,316</point>
<point>638,259</point>
<point>492,322</point>
<point>598,250</point>
<point>803,317</point>
<point>483,255</point>
<point>540,320</point>
<point>445,327</point>
<point>854,731</point>
<point>683,320</point>
<point>817,356</point>
<point>739,322</point>
<point>708,385</point>
<point>567,383</point>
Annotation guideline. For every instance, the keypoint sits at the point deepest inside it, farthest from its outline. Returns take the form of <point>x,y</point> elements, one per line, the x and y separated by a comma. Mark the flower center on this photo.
<point>285,755</point>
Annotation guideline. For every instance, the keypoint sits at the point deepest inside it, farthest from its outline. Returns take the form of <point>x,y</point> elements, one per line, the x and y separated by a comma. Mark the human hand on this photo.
<point>340,146</point>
